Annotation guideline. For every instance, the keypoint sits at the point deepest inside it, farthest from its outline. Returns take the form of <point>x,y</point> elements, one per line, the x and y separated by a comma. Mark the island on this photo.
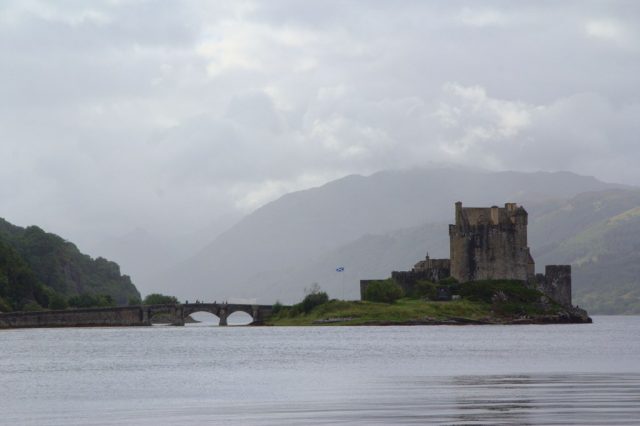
<point>450,303</point>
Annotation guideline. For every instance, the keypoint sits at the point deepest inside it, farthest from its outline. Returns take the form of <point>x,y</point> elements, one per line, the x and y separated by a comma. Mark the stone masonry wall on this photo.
<point>490,245</point>
<point>557,283</point>
<point>122,316</point>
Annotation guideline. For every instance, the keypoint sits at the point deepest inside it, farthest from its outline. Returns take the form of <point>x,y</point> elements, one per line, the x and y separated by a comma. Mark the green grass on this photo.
<point>477,303</point>
<point>402,311</point>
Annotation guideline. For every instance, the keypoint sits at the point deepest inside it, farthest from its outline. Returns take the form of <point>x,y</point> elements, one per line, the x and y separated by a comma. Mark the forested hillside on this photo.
<point>42,270</point>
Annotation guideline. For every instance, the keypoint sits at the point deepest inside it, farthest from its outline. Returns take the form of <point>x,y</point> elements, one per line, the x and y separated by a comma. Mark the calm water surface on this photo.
<point>553,374</point>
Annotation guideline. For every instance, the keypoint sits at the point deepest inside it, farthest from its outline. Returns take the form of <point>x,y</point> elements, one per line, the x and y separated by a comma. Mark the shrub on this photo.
<point>387,291</point>
<point>4,306</point>
<point>134,301</point>
<point>448,281</point>
<point>32,306</point>
<point>314,299</point>
<point>57,302</point>
<point>423,289</point>
<point>277,307</point>
<point>295,310</point>
<point>86,300</point>
<point>159,299</point>
<point>511,290</point>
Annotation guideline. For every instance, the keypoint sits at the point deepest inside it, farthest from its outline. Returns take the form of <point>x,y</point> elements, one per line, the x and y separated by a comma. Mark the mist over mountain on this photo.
<point>598,233</point>
<point>141,253</point>
<point>268,254</point>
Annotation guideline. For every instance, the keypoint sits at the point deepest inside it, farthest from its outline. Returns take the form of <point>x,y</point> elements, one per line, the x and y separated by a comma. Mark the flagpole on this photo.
<point>340,270</point>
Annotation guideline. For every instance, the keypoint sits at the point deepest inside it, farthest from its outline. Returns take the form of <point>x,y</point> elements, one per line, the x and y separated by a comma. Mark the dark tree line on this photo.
<point>40,270</point>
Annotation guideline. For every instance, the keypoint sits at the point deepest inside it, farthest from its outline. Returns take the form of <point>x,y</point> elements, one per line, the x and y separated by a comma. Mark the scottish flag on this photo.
<point>340,269</point>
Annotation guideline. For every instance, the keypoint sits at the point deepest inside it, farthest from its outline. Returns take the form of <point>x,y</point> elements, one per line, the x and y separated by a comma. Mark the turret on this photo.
<point>459,213</point>
<point>495,215</point>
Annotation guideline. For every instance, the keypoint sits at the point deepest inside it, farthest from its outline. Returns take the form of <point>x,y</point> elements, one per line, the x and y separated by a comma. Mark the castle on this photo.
<point>489,243</point>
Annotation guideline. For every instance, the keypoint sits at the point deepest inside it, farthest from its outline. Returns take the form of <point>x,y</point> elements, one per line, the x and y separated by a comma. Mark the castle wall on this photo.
<point>364,284</point>
<point>407,279</point>
<point>437,266</point>
<point>490,243</point>
<point>557,283</point>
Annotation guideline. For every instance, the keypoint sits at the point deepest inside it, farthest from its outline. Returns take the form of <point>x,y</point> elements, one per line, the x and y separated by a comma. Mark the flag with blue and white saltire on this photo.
<point>340,269</point>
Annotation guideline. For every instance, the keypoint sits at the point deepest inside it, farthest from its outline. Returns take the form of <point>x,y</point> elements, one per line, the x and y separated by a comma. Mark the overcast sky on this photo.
<point>125,114</point>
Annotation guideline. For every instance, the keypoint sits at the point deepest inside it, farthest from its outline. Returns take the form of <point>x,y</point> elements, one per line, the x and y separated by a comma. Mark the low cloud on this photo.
<point>117,115</point>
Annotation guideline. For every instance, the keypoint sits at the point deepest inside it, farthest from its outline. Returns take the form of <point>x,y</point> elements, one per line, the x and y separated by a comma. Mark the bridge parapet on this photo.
<point>85,317</point>
<point>139,315</point>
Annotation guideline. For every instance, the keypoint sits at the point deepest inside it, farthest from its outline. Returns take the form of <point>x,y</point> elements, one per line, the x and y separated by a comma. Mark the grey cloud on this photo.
<point>122,114</point>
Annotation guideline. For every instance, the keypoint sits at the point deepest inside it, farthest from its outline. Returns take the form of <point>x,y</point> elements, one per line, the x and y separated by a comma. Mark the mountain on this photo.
<point>370,256</point>
<point>256,257</point>
<point>598,233</point>
<point>142,254</point>
<point>36,265</point>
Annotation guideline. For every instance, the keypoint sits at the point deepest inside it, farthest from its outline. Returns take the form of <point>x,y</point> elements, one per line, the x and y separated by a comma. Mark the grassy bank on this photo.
<point>338,312</point>
<point>498,302</point>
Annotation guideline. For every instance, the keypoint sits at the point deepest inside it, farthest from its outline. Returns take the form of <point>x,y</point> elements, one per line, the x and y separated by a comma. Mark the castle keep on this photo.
<point>489,243</point>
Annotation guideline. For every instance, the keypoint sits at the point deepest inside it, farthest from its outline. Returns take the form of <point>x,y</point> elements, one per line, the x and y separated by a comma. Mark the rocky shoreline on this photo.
<point>570,316</point>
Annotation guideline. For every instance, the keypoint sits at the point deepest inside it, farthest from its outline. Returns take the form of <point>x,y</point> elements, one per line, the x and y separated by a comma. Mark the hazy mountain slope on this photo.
<point>142,254</point>
<point>60,266</point>
<point>598,233</point>
<point>370,256</point>
<point>300,227</point>
<point>604,248</point>
<point>139,254</point>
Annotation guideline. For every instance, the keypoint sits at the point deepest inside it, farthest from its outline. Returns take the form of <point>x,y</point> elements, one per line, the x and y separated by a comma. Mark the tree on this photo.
<point>57,302</point>
<point>315,297</point>
<point>277,307</point>
<point>18,284</point>
<point>159,299</point>
<point>134,301</point>
<point>31,256</point>
<point>86,300</point>
<point>387,291</point>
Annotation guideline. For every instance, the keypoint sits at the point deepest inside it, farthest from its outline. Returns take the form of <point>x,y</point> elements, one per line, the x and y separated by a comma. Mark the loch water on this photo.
<point>585,374</point>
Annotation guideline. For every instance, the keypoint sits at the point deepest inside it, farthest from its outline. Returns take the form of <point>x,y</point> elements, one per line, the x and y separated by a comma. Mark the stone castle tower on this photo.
<point>490,243</point>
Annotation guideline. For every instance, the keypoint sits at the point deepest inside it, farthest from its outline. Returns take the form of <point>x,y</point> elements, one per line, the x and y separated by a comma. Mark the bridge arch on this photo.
<point>202,318</point>
<point>240,317</point>
<point>223,310</point>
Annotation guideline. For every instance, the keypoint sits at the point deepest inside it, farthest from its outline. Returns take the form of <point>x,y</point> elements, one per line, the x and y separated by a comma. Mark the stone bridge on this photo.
<point>179,312</point>
<point>140,315</point>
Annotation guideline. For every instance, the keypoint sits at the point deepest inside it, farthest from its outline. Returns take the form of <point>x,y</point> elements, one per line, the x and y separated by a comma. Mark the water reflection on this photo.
<point>467,400</point>
<point>581,399</point>
<point>323,375</point>
<point>208,319</point>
